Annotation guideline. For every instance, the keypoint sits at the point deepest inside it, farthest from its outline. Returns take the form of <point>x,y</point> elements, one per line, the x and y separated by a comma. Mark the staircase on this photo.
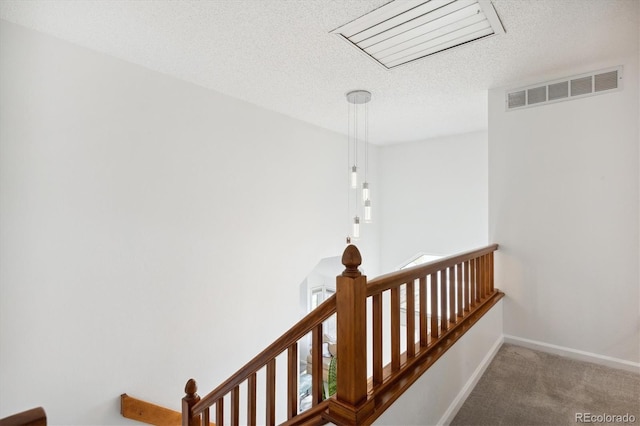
<point>443,300</point>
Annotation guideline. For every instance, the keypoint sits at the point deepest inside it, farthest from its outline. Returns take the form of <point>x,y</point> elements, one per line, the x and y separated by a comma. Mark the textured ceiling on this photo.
<point>278,54</point>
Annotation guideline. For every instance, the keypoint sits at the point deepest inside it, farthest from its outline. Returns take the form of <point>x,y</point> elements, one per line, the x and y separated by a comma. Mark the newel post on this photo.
<point>350,405</point>
<point>190,399</point>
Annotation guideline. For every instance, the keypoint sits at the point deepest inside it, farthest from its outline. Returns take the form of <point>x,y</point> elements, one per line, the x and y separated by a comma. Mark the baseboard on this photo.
<point>459,400</point>
<point>574,354</point>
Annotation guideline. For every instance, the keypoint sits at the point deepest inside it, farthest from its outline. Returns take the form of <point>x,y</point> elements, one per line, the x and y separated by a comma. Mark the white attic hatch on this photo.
<point>403,31</point>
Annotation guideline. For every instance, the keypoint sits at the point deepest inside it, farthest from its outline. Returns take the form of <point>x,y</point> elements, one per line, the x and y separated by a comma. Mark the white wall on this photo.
<point>563,186</point>
<point>147,227</point>
<point>436,397</point>
<point>434,197</point>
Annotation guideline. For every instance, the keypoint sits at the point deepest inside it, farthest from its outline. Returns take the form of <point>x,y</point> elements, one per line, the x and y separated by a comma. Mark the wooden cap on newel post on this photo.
<point>350,405</point>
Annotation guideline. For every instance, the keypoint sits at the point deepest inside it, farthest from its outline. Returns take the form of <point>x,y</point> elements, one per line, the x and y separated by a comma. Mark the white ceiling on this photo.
<point>278,54</point>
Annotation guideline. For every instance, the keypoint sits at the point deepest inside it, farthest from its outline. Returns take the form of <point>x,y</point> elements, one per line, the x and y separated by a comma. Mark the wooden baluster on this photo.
<point>424,341</point>
<point>316,365</point>
<point>478,281</point>
<point>452,295</point>
<point>460,297</point>
<point>444,322</point>
<point>271,393</point>
<point>292,381</point>
<point>467,286</point>
<point>472,296</point>
<point>206,417</point>
<point>351,404</point>
<point>376,307</point>
<point>251,397</point>
<point>491,271</point>
<point>395,328</point>
<point>434,306</point>
<point>485,274</point>
<point>190,399</point>
<point>235,406</point>
<point>411,319</point>
<point>472,283</point>
<point>220,411</point>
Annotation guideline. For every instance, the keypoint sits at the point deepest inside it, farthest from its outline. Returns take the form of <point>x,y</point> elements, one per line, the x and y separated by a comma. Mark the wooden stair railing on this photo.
<point>196,410</point>
<point>33,417</point>
<point>452,294</point>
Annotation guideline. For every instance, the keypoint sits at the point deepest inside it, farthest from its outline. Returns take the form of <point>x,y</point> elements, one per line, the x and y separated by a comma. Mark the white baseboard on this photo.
<point>459,400</point>
<point>574,354</point>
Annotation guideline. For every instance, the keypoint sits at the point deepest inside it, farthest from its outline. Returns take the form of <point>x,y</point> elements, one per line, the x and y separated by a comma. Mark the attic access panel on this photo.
<point>403,31</point>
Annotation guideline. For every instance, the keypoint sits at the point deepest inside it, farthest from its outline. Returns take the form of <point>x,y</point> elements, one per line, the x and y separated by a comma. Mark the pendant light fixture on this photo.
<point>356,228</point>
<point>358,146</point>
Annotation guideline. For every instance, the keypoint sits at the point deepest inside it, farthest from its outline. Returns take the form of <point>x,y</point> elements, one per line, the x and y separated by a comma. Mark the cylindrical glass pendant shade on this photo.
<point>365,191</point>
<point>367,211</point>
<point>354,177</point>
<point>356,227</point>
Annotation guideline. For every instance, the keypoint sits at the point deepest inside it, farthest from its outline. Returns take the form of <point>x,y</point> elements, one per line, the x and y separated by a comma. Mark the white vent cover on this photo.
<point>578,86</point>
<point>406,30</point>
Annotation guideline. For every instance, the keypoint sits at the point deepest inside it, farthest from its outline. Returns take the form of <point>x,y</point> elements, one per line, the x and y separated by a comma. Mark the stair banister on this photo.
<point>312,322</point>
<point>463,284</point>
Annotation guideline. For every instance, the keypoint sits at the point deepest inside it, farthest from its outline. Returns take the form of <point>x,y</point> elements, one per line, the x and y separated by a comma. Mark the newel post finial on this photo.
<point>189,400</point>
<point>351,259</point>
<point>191,388</point>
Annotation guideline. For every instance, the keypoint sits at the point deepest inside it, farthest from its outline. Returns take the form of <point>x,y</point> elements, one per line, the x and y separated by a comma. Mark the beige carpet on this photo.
<point>526,387</point>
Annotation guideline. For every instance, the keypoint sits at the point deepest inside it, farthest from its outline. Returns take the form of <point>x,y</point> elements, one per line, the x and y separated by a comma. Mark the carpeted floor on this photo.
<point>526,387</point>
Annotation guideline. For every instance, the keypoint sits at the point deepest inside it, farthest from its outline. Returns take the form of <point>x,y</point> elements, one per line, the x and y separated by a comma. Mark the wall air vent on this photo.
<point>403,31</point>
<point>579,86</point>
<point>517,99</point>
<point>606,81</point>
<point>558,90</point>
<point>537,95</point>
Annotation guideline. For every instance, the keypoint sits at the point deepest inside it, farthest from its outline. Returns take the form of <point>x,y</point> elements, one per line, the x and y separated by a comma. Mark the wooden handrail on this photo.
<point>146,412</point>
<point>301,329</point>
<point>454,293</point>
<point>32,417</point>
<point>149,413</point>
<point>397,278</point>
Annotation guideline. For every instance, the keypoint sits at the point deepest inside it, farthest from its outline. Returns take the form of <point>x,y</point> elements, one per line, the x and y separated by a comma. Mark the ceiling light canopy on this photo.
<point>403,31</point>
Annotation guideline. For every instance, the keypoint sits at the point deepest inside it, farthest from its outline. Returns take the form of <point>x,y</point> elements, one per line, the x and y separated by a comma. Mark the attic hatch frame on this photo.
<point>414,25</point>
